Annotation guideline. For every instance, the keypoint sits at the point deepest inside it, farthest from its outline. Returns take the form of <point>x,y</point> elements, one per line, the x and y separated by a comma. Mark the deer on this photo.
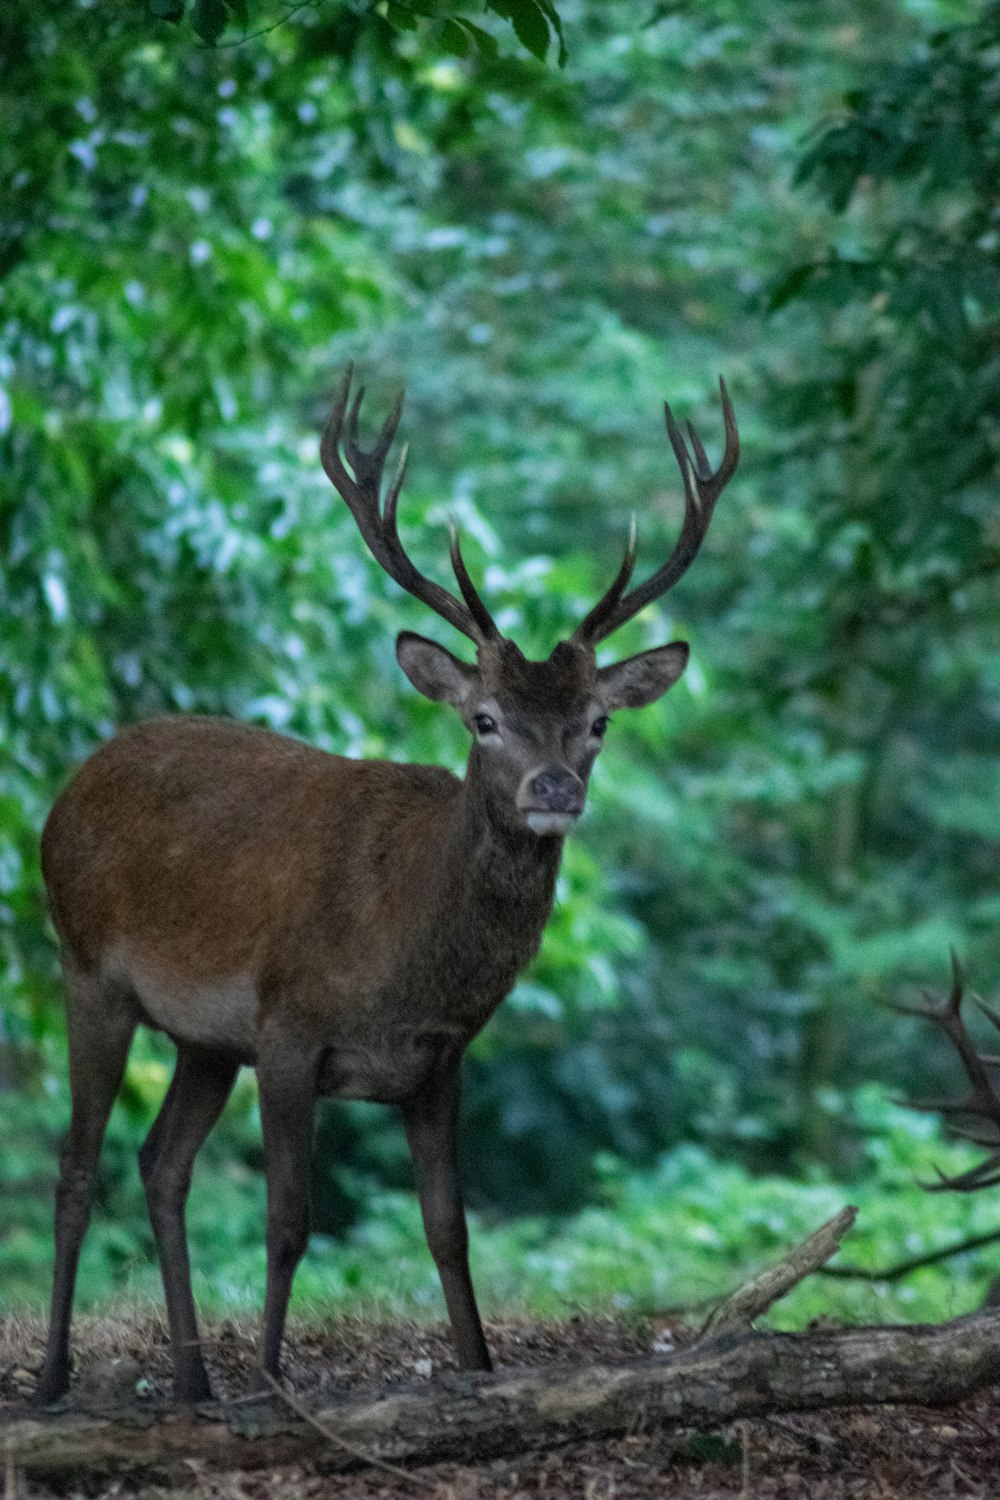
<point>345,927</point>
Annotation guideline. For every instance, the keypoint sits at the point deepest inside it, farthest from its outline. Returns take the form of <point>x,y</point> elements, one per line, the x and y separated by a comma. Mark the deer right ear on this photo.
<point>642,679</point>
<point>434,671</point>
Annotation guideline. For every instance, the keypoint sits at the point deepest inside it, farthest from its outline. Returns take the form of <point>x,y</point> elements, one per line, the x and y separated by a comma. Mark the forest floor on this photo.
<point>876,1453</point>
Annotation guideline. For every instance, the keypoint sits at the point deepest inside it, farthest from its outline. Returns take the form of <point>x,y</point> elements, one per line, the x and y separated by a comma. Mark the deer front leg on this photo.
<point>431,1120</point>
<point>287,1082</point>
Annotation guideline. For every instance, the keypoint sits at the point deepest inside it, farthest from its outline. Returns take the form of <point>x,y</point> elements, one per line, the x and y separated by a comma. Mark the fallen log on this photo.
<point>728,1372</point>
<point>485,1416</point>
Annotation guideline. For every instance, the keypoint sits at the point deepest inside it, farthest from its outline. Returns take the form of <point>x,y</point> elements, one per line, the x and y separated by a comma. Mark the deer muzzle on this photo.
<point>551,800</point>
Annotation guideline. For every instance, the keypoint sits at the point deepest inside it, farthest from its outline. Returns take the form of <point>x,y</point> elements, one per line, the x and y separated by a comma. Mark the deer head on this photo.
<point>537,726</point>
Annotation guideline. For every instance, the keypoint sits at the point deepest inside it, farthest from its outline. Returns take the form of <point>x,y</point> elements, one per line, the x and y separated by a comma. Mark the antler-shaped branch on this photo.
<point>702,487</point>
<point>362,493</point>
<point>983,1101</point>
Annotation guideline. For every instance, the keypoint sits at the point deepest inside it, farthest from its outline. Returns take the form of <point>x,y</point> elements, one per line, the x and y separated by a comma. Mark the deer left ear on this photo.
<point>642,679</point>
<point>433,670</point>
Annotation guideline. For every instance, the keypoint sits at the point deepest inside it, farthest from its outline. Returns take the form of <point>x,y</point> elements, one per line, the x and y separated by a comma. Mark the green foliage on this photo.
<point>536,23</point>
<point>196,239</point>
<point>679,1234</point>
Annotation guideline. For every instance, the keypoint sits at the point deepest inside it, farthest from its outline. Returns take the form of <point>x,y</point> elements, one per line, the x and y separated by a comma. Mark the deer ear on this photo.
<point>433,670</point>
<point>642,679</point>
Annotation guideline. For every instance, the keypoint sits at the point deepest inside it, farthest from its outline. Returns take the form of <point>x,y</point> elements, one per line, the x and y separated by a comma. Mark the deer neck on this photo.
<point>498,860</point>
<point>493,888</point>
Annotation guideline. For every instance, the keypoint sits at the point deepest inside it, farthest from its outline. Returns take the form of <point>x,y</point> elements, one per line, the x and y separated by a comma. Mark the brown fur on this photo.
<point>349,893</point>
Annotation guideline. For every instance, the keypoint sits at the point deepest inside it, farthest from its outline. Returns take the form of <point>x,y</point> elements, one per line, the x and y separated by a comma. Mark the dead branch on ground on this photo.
<point>728,1372</point>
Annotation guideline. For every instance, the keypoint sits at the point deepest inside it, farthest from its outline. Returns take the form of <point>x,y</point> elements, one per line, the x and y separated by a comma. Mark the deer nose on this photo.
<point>557,790</point>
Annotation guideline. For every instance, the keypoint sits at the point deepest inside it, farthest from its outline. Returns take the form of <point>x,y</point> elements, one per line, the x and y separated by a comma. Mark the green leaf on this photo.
<point>555,21</point>
<point>454,38</point>
<point>240,10</point>
<point>529,21</point>
<point>531,27</point>
<point>485,43</point>
<point>209,19</point>
<point>791,285</point>
<point>167,10</point>
<point>400,17</point>
<point>661,12</point>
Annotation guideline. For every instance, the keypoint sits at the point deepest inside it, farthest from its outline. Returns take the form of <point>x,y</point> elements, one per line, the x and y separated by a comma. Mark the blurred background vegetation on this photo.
<point>543,222</point>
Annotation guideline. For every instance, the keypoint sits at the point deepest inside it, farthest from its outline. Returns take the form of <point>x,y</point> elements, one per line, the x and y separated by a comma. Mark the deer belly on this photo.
<point>217,1012</point>
<point>387,1070</point>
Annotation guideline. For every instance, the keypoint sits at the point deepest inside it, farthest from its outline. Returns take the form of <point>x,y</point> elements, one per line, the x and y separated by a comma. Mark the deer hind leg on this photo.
<point>198,1091</point>
<point>431,1121</point>
<point>100,1022</point>
<point>287,1094</point>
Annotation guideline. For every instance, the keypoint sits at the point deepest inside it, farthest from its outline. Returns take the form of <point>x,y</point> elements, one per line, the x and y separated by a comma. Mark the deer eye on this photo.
<point>599,726</point>
<point>483,724</point>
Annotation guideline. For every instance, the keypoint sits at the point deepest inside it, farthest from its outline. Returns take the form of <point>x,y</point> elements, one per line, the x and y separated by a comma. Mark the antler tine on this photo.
<point>985,1174</point>
<point>984,1135</point>
<point>702,487</point>
<point>590,624</point>
<point>369,464</point>
<point>351,443</point>
<point>361,491</point>
<point>476,607</point>
<point>392,496</point>
<point>950,1108</point>
<point>702,467</point>
<point>329,443</point>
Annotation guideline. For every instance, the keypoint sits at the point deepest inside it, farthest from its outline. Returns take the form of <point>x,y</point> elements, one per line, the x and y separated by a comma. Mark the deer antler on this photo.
<point>362,493</point>
<point>983,1101</point>
<point>702,487</point>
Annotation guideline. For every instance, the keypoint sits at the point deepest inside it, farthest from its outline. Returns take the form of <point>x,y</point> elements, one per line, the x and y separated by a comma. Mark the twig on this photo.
<point>737,1313</point>
<point>913,1263</point>
<point>339,1442</point>
<point>248,36</point>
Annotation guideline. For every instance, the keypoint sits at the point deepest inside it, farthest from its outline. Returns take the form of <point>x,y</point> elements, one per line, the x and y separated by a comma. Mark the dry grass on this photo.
<point>877,1454</point>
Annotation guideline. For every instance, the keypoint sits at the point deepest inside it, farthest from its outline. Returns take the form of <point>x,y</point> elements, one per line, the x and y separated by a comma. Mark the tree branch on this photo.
<point>738,1312</point>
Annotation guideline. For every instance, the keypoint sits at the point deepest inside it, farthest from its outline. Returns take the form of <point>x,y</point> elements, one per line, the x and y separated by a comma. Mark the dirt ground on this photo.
<point>878,1453</point>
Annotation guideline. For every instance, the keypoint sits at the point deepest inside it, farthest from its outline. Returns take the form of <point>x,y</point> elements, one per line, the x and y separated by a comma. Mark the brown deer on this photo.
<point>345,927</point>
